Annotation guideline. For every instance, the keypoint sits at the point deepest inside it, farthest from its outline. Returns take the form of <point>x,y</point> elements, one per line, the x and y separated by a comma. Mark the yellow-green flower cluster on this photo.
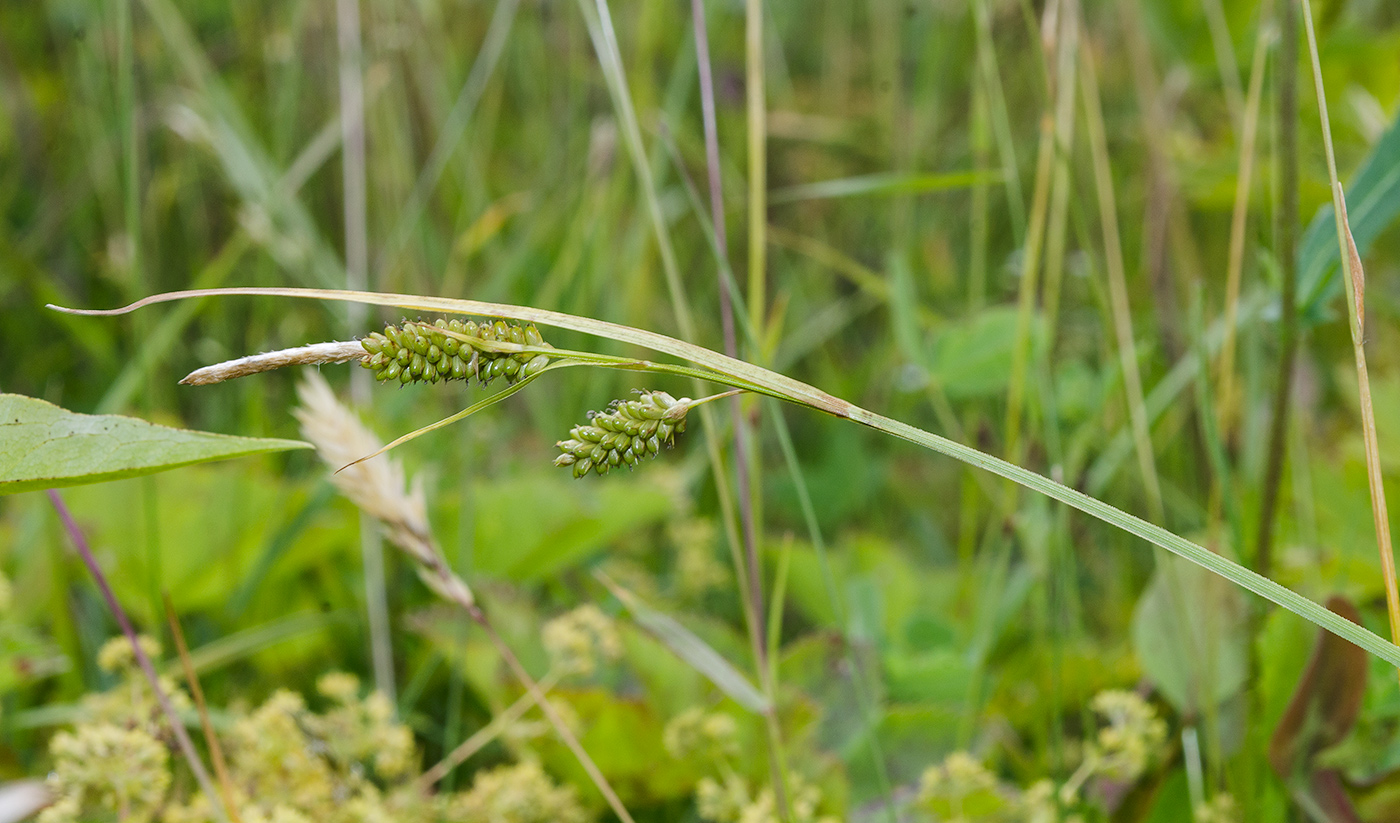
<point>1133,735</point>
<point>628,432</point>
<point>962,789</point>
<point>731,802</point>
<point>1219,809</point>
<point>116,654</point>
<point>698,733</point>
<point>362,730</point>
<point>131,703</point>
<point>105,766</point>
<point>522,793</point>
<point>577,639</point>
<point>453,350</point>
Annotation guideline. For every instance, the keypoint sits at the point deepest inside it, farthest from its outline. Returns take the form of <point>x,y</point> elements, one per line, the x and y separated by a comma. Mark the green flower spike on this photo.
<point>627,433</point>
<point>453,350</point>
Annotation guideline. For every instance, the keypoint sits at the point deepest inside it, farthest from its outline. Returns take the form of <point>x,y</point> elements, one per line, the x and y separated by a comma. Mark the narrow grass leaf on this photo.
<point>1373,203</point>
<point>687,646</point>
<point>885,184</point>
<point>795,391</point>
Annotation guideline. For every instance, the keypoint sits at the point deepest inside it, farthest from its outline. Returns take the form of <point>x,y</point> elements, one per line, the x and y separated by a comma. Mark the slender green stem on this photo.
<point>1355,280</point>
<point>1117,286</point>
<point>1238,222</point>
<point>1285,252</point>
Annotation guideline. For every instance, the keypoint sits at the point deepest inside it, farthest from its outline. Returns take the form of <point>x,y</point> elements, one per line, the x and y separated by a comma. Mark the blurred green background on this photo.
<point>505,179</point>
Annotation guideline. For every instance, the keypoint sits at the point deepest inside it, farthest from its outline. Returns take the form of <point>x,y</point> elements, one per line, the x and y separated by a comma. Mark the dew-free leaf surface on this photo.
<point>43,446</point>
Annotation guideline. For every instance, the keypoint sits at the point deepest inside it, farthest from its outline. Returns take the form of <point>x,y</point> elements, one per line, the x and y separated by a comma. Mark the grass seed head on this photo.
<point>415,352</point>
<point>628,432</point>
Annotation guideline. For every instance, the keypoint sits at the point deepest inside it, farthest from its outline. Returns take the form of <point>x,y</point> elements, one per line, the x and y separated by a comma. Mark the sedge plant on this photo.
<point>712,367</point>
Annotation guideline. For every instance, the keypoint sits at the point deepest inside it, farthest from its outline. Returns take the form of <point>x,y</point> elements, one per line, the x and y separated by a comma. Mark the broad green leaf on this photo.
<point>1189,633</point>
<point>1373,201</point>
<point>690,648</point>
<point>43,446</point>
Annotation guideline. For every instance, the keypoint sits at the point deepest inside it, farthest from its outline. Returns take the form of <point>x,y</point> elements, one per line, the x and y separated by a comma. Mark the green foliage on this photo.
<point>44,446</point>
<point>932,610</point>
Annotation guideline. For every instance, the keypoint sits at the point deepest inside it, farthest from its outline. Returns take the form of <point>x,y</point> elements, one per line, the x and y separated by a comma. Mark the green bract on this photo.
<point>627,433</point>
<point>454,350</point>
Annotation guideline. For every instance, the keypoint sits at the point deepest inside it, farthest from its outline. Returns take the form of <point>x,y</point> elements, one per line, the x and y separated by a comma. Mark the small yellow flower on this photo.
<point>577,639</point>
<point>103,766</point>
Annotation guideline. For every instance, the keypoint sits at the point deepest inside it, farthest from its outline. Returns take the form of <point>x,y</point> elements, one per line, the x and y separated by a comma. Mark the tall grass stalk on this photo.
<point>1285,252</point>
<point>1354,279</point>
<point>377,488</point>
<point>216,751</point>
<point>1001,119</point>
<point>599,21</point>
<point>870,280</point>
<point>1239,220</point>
<point>1117,285</point>
<point>352,130</point>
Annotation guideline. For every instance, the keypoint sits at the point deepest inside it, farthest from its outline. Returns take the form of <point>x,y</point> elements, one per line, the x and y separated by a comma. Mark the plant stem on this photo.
<point>177,728</point>
<point>1354,279</point>
<point>1238,222</point>
<point>216,752</point>
<point>537,694</point>
<point>484,735</point>
<point>1285,251</point>
<point>1117,286</point>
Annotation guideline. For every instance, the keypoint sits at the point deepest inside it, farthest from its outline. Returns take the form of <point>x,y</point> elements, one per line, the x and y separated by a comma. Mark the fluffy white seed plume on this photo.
<point>377,486</point>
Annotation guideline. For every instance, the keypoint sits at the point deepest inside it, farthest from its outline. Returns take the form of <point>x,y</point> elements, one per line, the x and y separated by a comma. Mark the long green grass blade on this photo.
<point>800,393</point>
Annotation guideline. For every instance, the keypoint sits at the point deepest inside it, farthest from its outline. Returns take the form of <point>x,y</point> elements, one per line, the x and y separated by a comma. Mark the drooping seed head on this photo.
<point>626,433</point>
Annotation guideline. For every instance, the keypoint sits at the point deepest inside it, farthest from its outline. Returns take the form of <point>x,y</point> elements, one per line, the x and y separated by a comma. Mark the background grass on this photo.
<point>980,622</point>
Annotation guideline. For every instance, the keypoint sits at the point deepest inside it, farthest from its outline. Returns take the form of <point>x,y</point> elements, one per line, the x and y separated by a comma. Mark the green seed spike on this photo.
<point>628,432</point>
<point>453,350</point>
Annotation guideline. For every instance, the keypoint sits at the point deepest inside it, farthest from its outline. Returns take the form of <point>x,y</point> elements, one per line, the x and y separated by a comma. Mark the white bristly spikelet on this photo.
<point>377,486</point>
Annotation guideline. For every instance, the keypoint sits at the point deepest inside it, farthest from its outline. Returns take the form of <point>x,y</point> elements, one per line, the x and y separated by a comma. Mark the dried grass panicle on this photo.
<point>377,485</point>
<point>316,354</point>
<point>413,352</point>
<point>628,432</point>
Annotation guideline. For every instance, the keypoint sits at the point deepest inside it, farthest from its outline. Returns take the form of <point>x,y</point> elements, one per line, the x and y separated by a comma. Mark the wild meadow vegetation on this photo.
<point>1092,240</point>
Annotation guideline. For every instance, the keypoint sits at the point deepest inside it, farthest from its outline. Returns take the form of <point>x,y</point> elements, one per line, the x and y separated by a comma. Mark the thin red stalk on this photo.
<point>731,348</point>
<point>176,727</point>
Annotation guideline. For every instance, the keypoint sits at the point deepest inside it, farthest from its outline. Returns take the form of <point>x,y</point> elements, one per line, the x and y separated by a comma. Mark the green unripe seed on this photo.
<point>459,369</point>
<point>403,356</point>
<point>416,364</point>
<point>392,370</point>
<point>581,467</point>
<point>406,377</point>
<point>434,354</point>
